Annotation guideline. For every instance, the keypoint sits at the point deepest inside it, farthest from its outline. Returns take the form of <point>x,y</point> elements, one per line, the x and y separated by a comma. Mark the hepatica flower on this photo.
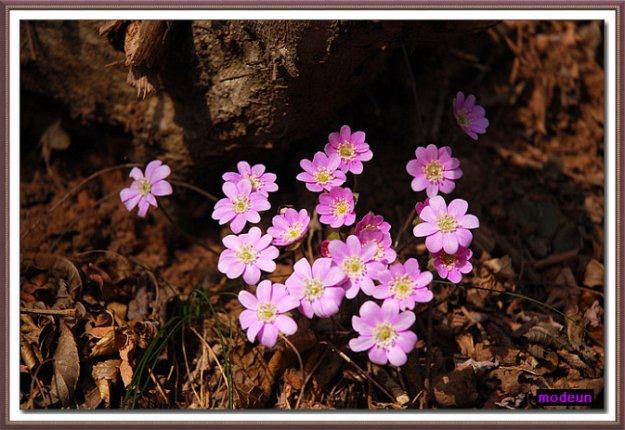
<point>247,254</point>
<point>384,332</point>
<point>264,314</point>
<point>240,206</point>
<point>469,116</point>
<point>351,148</point>
<point>420,205</point>
<point>336,207</point>
<point>434,170</point>
<point>261,182</point>
<point>372,222</point>
<point>144,189</point>
<point>405,284</point>
<point>289,226</point>
<point>453,266</point>
<point>317,287</point>
<point>446,227</point>
<point>321,173</point>
<point>385,253</point>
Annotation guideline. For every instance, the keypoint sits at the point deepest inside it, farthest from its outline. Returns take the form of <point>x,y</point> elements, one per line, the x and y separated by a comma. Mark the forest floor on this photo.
<point>119,311</point>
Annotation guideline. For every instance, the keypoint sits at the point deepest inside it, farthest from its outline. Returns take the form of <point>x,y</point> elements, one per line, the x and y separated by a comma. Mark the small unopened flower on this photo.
<point>372,222</point>
<point>404,283</point>
<point>385,253</point>
<point>452,266</point>
<point>240,206</point>
<point>384,332</point>
<point>317,287</point>
<point>325,252</point>
<point>351,147</point>
<point>358,264</point>
<point>247,254</point>
<point>469,116</point>
<point>261,182</point>
<point>144,189</point>
<point>289,226</point>
<point>264,314</point>
<point>321,173</point>
<point>434,170</point>
<point>446,228</point>
<point>420,205</point>
<point>336,207</point>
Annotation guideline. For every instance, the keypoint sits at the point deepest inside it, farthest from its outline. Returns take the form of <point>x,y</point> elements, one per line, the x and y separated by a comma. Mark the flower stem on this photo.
<point>185,234</point>
<point>194,188</point>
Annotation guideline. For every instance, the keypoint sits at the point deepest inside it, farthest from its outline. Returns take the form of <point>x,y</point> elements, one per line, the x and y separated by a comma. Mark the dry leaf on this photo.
<point>594,274</point>
<point>105,374</point>
<point>66,365</point>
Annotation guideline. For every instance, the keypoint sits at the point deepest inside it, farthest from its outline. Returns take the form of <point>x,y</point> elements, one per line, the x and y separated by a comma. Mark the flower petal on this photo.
<point>248,299</point>
<point>362,343</point>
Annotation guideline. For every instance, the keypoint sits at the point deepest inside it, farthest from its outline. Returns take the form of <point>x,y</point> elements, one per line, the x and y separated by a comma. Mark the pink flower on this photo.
<point>372,222</point>
<point>325,252</point>
<point>357,262</point>
<point>352,149</point>
<point>289,226</point>
<point>144,189</point>
<point>263,316</point>
<point>453,266</point>
<point>384,332</point>
<point>404,283</point>
<point>336,207</point>
<point>317,287</point>
<point>434,170</point>
<point>385,253</point>
<point>469,116</point>
<point>446,228</point>
<point>321,173</point>
<point>419,206</point>
<point>240,206</point>
<point>247,254</point>
<point>261,182</point>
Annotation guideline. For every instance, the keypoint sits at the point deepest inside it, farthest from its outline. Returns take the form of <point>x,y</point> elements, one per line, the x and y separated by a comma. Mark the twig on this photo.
<point>59,312</point>
<point>556,258</point>
<point>404,227</point>
<point>158,386</point>
<point>301,366</point>
<point>186,365</point>
<point>413,87</point>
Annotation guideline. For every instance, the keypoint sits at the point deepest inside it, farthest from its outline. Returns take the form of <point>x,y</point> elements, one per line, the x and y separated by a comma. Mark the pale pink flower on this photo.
<point>470,117</point>
<point>289,226</point>
<point>453,266</point>
<point>372,222</point>
<point>321,173</point>
<point>264,314</point>
<point>351,148</point>
<point>385,252</point>
<point>247,254</point>
<point>384,332</point>
<point>144,189</point>
<point>336,207</point>
<point>446,228</point>
<point>434,170</point>
<point>240,206</point>
<point>261,182</point>
<point>404,283</point>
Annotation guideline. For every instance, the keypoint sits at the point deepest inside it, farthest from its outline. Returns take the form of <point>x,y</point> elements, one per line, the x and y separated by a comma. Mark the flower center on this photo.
<point>434,171</point>
<point>144,186</point>
<point>353,266</point>
<point>462,119</point>
<point>384,335</point>
<point>254,181</point>
<point>447,223</point>
<point>323,176</point>
<point>402,286</point>
<point>266,312</point>
<point>347,151</point>
<point>340,207</point>
<point>314,289</point>
<point>241,204</point>
<point>449,261</point>
<point>293,232</point>
<point>247,254</point>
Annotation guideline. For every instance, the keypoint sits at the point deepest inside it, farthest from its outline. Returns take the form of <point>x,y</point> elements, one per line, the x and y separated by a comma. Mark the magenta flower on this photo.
<point>317,287</point>
<point>372,222</point>
<point>419,206</point>
<point>325,252</point>
<point>385,253</point>
<point>434,170</point>
<point>261,182</point>
<point>404,283</point>
<point>471,118</point>
<point>289,226</point>
<point>144,189</point>
<point>446,228</point>
<point>384,332</point>
<point>240,206</point>
<point>357,262</point>
<point>336,207</point>
<point>351,148</point>
<point>247,254</point>
<point>453,266</point>
<point>263,316</point>
<point>321,173</point>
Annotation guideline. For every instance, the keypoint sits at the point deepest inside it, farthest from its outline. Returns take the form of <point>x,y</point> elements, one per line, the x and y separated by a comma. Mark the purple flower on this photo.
<point>289,226</point>
<point>321,173</point>
<point>247,254</point>
<point>446,228</point>
<point>144,189</point>
<point>317,287</point>
<point>384,332</point>
<point>372,222</point>
<point>240,206</point>
<point>469,116</point>
<point>351,148</point>
<point>263,316</point>
<point>453,266</point>
<point>419,206</point>
<point>404,283</point>
<point>434,170</point>
<point>261,182</point>
<point>357,262</point>
<point>385,253</point>
<point>336,207</point>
